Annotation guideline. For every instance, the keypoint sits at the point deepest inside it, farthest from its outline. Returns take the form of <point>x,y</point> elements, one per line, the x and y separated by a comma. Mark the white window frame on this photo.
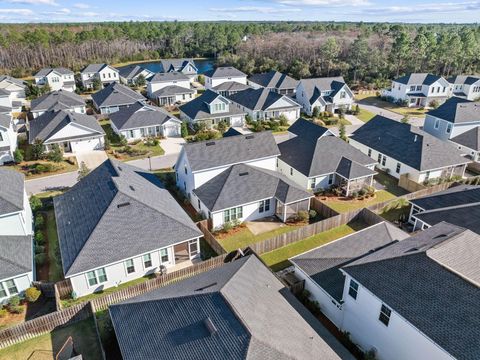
<point>353,287</point>
<point>127,266</point>
<point>11,293</point>
<point>161,256</point>
<point>96,277</point>
<point>437,123</point>
<point>385,313</point>
<point>149,259</point>
<point>448,130</point>
<point>4,290</point>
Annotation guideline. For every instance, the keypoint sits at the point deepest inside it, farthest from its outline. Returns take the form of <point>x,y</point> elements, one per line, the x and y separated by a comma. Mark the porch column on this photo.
<point>284,213</point>
<point>348,188</point>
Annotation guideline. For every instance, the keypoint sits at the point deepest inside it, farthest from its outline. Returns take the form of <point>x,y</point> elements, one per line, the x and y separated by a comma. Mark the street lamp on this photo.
<point>150,162</point>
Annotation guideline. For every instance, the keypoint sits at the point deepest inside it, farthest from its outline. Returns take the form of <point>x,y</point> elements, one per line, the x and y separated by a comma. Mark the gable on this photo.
<point>282,103</point>
<point>71,130</point>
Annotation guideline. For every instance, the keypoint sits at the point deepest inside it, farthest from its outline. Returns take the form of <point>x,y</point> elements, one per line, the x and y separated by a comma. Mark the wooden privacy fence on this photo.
<point>64,288</point>
<point>323,210</point>
<point>209,238</point>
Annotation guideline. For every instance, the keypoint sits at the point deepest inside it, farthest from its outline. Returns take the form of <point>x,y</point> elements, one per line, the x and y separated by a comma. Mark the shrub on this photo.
<point>38,150</point>
<point>151,141</point>
<point>39,238</point>
<point>303,215</point>
<point>405,119</point>
<point>40,259</point>
<point>273,125</point>
<point>316,112</point>
<point>184,129</point>
<point>35,203</point>
<point>82,171</point>
<point>15,309</point>
<point>123,140</point>
<point>32,294</point>
<point>18,156</point>
<point>39,221</point>
<point>434,104</point>
<point>312,214</point>
<point>56,154</point>
<point>14,301</point>
<point>3,312</point>
<point>283,120</point>
<point>227,226</point>
<point>39,249</point>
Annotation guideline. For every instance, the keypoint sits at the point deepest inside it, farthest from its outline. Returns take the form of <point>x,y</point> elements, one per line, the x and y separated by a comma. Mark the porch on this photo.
<point>350,186</point>
<point>285,211</point>
<point>185,254</point>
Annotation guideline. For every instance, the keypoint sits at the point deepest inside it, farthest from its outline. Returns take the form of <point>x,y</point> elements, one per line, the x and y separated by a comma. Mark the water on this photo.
<point>202,65</point>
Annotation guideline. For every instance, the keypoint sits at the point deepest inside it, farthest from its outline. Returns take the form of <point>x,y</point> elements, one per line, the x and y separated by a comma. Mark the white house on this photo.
<point>465,86</point>
<point>223,74</point>
<point>419,89</point>
<point>170,88</point>
<point>402,149</point>
<point>130,74</point>
<point>56,78</point>
<point>8,138</point>
<point>184,66</point>
<point>140,121</point>
<point>73,132</point>
<point>15,87</point>
<point>114,97</point>
<point>327,94</point>
<point>120,203</point>
<point>8,106</point>
<point>57,100</point>
<point>104,72</point>
<point>274,81</point>
<point>229,88</point>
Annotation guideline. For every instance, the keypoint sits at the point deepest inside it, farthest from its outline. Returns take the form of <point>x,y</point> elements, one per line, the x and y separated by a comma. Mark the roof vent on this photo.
<point>131,187</point>
<point>212,329</point>
<point>123,205</point>
<point>210,143</point>
<point>243,173</point>
<point>440,236</point>
<point>206,287</point>
<point>119,168</point>
<point>248,137</point>
<point>415,138</point>
<point>412,249</point>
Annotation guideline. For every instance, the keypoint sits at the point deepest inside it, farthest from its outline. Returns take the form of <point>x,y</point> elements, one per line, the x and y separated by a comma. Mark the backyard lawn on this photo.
<point>365,115</point>
<point>44,347</point>
<point>390,183</point>
<point>341,206</point>
<point>375,101</point>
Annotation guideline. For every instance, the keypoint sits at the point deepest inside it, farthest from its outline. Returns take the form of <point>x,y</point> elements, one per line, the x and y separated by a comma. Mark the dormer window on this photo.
<point>419,87</point>
<point>412,88</point>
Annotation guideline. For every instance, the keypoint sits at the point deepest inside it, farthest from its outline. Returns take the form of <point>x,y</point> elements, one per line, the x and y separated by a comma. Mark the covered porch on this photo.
<point>350,186</point>
<point>186,253</point>
<point>284,211</point>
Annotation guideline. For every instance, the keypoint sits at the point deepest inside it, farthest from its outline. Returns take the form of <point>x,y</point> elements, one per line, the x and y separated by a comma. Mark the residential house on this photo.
<point>419,89</point>
<point>139,121</point>
<point>57,100</point>
<point>7,105</point>
<point>315,159</point>
<point>237,311</point>
<point>263,104</point>
<point>274,81</point>
<point>114,97</point>
<point>8,139</point>
<point>397,294</point>
<point>130,74</point>
<point>405,150</point>
<point>457,120</point>
<point>223,74</point>
<point>229,88</point>
<point>72,131</point>
<point>465,86</point>
<point>56,78</point>
<point>16,229</point>
<point>170,88</point>
<point>184,66</point>
<point>327,94</point>
<point>103,72</point>
<point>212,108</point>
<point>118,224</point>
<point>459,205</point>
<point>15,87</point>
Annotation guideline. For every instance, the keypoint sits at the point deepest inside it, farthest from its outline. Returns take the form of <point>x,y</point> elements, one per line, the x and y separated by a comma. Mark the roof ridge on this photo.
<point>13,263</point>
<point>229,169</point>
<point>460,206</point>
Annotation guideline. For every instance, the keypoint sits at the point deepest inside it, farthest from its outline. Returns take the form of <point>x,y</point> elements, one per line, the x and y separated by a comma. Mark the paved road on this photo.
<point>51,183</point>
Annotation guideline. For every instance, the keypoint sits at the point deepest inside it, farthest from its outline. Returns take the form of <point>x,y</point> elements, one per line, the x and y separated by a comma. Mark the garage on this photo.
<point>171,129</point>
<point>86,145</point>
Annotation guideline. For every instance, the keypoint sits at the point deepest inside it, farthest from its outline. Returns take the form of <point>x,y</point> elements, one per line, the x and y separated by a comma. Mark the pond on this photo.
<point>203,65</point>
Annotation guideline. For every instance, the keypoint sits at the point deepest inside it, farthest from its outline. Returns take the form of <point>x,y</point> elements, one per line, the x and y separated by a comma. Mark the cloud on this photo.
<point>21,12</point>
<point>418,8</point>
<point>32,2</point>
<point>81,6</point>
<point>324,3</point>
<point>63,11</point>
<point>256,9</point>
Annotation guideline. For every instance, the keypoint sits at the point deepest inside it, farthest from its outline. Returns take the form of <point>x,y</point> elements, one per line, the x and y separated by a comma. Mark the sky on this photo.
<point>429,11</point>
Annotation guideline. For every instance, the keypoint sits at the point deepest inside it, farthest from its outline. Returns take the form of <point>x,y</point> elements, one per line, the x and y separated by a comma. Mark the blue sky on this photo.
<point>459,11</point>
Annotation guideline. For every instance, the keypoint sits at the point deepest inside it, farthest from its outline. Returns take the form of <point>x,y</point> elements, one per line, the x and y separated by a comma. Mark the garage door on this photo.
<point>171,130</point>
<point>85,145</point>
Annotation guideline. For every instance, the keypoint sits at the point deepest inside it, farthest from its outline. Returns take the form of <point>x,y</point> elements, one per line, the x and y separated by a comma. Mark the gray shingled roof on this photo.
<point>231,132</point>
<point>408,144</point>
<point>198,108</point>
<point>420,79</point>
<point>11,191</point>
<point>457,111</point>
<point>314,87</point>
<point>51,122</point>
<point>116,94</point>
<point>57,100</point>
<point>323,264</point>
<point>169,76</point>
<point>18,82</point>
<point>93,68</point>
<point>169,65</point>
<point>274,79</point>
<point>16,254</point>
<point>463,79</point>
<point>5,120</point>
<point>131,71</point>
<point>457,195</point>
<point>230,86</point>
<point>254,316</point>
<point>139,115</point>
<point>470,139</point>
<point>224,72</point>
<point>61,70</point>
<point>98,218</point>
<point>230,150</point>
<point>242,184</point>
<point>172,90</point>
<point>412,277</point>
<point>259,99</point>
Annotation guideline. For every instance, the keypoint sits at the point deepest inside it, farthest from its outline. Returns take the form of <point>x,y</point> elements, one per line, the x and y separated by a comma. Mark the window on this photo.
<point>264,206</point>
<point>448,130</point>
<point>419,87</point>
<point>437,123</point>
<point>104,76</point>
<point>164,255</point>
<point>343,95</point>
<point>379,158</point>
<point>185,168</point>
<point>370,152</point>
<point>109,75</point>
<point>412,88</point>
<point>130,133</point>
<point>353,289</point>
<point>291,171</point>
<point>397,170</point>
<point>147,261</point>
<point>199,205</point>
<point>427,175</point>
<point>384,160</point>
<point>11,287</point>
<point>330,179</point>
<point>385,313</point>
<point>233,214</point>
<point>3,292</point>
<point>130,266</point>
<point>92,278</point>
<point>102,275</point>
<point>312,184</point>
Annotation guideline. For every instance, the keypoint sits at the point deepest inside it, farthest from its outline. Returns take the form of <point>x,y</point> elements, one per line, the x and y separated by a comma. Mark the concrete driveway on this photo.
<point>172,145</point>
<point>92,159</point>
<point>264,225</point>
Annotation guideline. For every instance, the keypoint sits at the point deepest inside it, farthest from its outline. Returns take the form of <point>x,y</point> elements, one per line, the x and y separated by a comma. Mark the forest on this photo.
<point>366,54</point>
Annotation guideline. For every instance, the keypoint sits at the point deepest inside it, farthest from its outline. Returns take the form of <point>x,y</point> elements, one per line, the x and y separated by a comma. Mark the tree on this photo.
<point>83,171</point>
<point>96,83</point>
<point>38,150</point>
<point>330,52</point>
<point>222,126</point>
<point>316,112</point>
<point>18,156</point>
<point>299,69</point>
<point>55,154</point>
<point>342,132</point>
<point>35,203</point>
<point>141,80</point>
<point>184,129</point>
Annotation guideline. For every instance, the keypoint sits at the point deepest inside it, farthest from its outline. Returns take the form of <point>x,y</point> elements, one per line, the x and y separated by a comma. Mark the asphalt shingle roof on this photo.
<point>259,99</point>
<point>169,76</point>
<point>5,121</point>
<point>457,111</point>
<point>408,144</point>
<point>198,108</point>
<point>57,100</point>
<point>314,87</point>
<point>172,90</point>
<point>274,79</point>
<point>13,80</point>
<point>116,212</point>
<point>470,139</point>
<point>223,72</point>
<point>419,78</point>
<point>253,315</point>
<point>139,115</point>
<point>94,68</point>
<point>60,70</point>
<point>116,94</point>
<point>231,86</point>
<point>16,254</point>
<point>177,65</point>
<point>463,79</point>
<point>12,191</point>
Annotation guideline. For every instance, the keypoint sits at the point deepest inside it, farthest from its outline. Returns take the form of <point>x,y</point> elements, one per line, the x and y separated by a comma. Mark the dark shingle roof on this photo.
<point>198,108</point>
<point>252,315</point>
<point>60,70</point>
<point>323,264</point>
<point>131,71</point>
<point>457,195</point>
<point>314,87</point>
<point>274,79</point>
<point>456,110</point>
<point>463,79</point>
<point>13,80</point>
<point>57,100</point>
<point>15,255</point>
<point>419,78</point>
<point>470,139</point>
<point>408,144</point>
<point>169,76</point>
<point>139,115</point>
<point>98,218</point>
<point>419,279</point>
<point>172,90</point>
<point>95,68</point>
<point>50,122</point>
<point>116,94</point>
<point>231,132</point>
<point>5,120</point>
<point>231,86</point>
<point>223,72</point>
<point>259,99</point>
<point>11,191</point>
<point>230,150</point>
<point>170,65</point>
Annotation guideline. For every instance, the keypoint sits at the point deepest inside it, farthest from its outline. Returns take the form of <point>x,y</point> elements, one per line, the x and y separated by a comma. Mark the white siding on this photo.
<point>22,282</point>
<point>211,83</point>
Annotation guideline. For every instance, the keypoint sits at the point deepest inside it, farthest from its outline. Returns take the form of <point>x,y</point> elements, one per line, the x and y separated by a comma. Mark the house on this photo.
<point>118,224</point>
<point>274,81</point>
<point>15,87</point>
<point>405,150</point>
<point>419,90</point>
<point>263,104</point>
<point>130,74</point>
<point>139,121</point>
<point>103,72</point>
<point>457,120</point>
<point>229,88</point>
<point>223,74</point>
<point>16,229</point>
<point>7,105</point>
<point>57,100</point>
<point>246,193</point>
<point>237,311</point>
<point>327,94</point>
<point>212,108</point>
<point>200,162</point>
<point>184,66</point>
<point>72,131</point>
<point>465,86</point>
<point>459,205</point>
<point>315,159</point>
<point>8,139</point>
<point>114,97</point>
<point>56,78</point>
<point>170,88</point>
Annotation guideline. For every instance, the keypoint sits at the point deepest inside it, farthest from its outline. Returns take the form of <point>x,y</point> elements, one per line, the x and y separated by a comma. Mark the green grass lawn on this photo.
<point>278,259</point>
<point>342,206</point>
<point>390,183</point>
<point>365,115</point>
<point>375,101</point>
<point>55,272</point>
<point>46,346</point>
<point>396,210</point>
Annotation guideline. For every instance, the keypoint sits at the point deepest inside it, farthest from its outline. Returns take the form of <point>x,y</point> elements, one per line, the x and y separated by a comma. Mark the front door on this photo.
<point>193,248</point>
<point>66,147</point>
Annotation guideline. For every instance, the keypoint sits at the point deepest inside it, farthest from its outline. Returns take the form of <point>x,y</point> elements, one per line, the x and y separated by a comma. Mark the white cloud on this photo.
<point>22,12</point>
<point>324,3</point>
<point>63,11</point>
<point>32,2</point>
<point>446,7</point>
<point>81,6</point>
<point>256,9</point>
